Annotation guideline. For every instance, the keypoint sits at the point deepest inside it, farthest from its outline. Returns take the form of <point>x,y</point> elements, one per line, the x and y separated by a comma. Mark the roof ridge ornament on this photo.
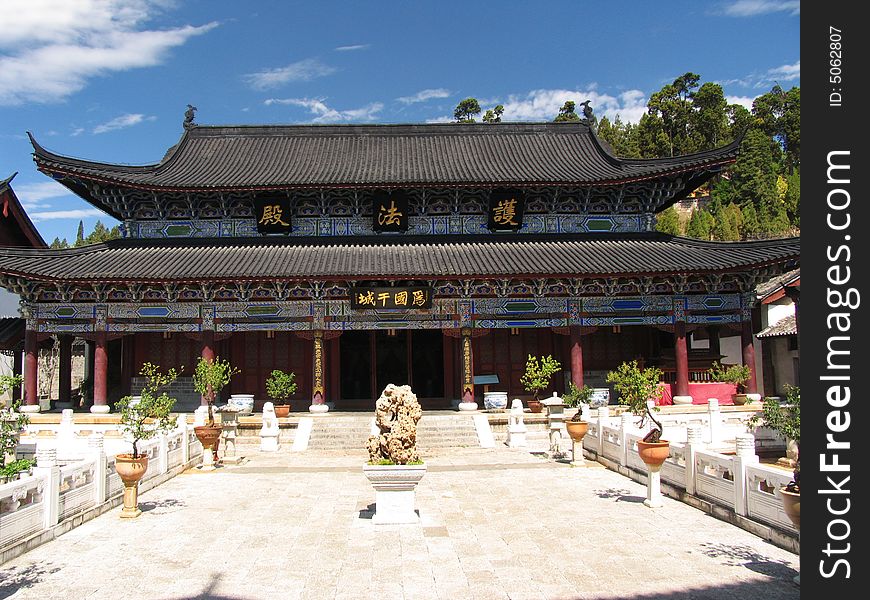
<point>587,112</point>
<point>189,116</point>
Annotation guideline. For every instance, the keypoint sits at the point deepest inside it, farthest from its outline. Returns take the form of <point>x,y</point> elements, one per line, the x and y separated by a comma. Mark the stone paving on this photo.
<point>495,523</point>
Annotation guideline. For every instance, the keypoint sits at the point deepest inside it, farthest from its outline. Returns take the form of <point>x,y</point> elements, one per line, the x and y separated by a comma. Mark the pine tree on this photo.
<point>80,235</point>
<point>668,221</point>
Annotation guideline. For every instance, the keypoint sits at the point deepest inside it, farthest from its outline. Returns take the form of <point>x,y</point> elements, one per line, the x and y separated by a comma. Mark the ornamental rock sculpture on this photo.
<point>396,415</point>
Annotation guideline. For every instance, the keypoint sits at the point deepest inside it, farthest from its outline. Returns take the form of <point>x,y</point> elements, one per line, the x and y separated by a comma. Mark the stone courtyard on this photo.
<point>494,523</point>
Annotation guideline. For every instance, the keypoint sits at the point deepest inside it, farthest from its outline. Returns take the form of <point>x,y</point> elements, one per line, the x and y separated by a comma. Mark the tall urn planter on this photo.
<point>653,454</point>
<point>577,430</point>
<point>131,470</point>
<point>142,417</point>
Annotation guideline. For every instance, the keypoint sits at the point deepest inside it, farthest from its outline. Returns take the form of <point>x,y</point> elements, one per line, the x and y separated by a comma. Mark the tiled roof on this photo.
<point>445,154</point>
<point>394,257</point>
<point>785,326</point>
<point>775,284</point>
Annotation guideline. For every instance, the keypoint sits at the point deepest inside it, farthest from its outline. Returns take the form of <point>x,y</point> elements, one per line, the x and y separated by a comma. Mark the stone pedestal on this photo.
<point>654,487</point>
<point>682,399</point>
<point>229,430</point>
<point>394,492</point>
<point>100,409</point>
<point>468,406</point>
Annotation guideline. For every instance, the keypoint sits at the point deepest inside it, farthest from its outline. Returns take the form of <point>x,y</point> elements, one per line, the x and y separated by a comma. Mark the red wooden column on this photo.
<point>318,387</point>
<point>31,366</point>
<point>746,340</point>
<point>101,371</point>
<point>467,362</point>
<point>64,392</point>
<point>681,353</point>
<point>576,356</point>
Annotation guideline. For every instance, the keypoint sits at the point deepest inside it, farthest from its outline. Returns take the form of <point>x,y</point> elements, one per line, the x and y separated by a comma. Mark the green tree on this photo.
<point>151,414</point>
<point>566,113</point>
<point>710,120</point>
<point>80,234</point>
<point>493,115</point>
<point>635,386</point>
<point>700,225</point>
<point>777,113</point>
<point>673,106</point>
<point>466,110</point>
<point>652,140</point>
<point>668,221</point>
<point>539,372</point>
<point>728,222</point>
<point>739,120</point>
<point>792,198</point>
<point>622,137</point>
<point>59,244</point>
<point>751,225</point>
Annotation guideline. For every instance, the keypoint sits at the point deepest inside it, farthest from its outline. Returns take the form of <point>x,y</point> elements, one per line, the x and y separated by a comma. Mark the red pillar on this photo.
<point>746,340</point>
<point>467,367</point>
<point>681,388</point>
<point>64,391</point>
<point>318,387</point>
<point>576,357</point>
<point>101,371</point>
<point>208,345</point>
<point>31,366</point>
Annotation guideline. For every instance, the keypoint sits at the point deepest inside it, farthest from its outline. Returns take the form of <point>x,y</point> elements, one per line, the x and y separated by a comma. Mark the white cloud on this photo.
<point>303,70</point>
<point>785,72</point>
<point>752,8</point>
<point>744,101</point>
<point>122,122</point>
<point>544,105</point>
<point>32,194</point>
<point>424,95</point>
<point>352,48</point>
<point>66,214</point>
<point>53,47</point>
<point>324,114</point>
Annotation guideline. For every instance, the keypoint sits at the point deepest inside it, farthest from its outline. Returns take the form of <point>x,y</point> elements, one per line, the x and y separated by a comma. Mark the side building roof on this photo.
<point>222,260</point>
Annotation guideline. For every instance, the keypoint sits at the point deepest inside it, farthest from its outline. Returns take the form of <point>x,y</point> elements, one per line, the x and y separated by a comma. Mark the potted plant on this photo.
<point>280,386</point>
<point>635,387</point>
<point>12,423</point>
<point>539,372</point>
<point>209,379</point>
<point>736,374</point>
<point>577,398</point>
<point>785,419</point>
<point>142,418</point>
<point>394,468</point>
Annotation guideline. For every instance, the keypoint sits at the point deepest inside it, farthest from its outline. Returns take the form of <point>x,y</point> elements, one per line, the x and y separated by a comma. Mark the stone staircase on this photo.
<point>446,431</point>
<point>350,432</point>
<point>340,432</point>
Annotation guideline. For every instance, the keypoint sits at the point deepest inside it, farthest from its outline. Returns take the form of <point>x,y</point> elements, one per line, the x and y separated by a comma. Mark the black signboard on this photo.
<point>390,211</point>
<point>390,297</point>
<point>272,214</point>
<point>506,210</point>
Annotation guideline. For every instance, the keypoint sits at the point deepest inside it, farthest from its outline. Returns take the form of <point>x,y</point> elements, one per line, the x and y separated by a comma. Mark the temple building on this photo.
<point>359,255</point>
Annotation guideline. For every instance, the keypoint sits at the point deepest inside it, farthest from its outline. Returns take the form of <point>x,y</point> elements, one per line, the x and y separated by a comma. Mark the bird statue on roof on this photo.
<point>587,111</point>
<point>188,116</point>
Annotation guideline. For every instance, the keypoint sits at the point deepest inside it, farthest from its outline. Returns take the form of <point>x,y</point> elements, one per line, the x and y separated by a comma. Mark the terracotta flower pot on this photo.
<point>577,430</point>
<point>208,435</point>
<point>653,453</point>
<point>282,410</point>
<point>131,470</point>
<point>791,504</point>
<point>535,405</point>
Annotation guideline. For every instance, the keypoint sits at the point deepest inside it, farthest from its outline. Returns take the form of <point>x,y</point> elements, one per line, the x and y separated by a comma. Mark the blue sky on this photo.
<point>109,80</point>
